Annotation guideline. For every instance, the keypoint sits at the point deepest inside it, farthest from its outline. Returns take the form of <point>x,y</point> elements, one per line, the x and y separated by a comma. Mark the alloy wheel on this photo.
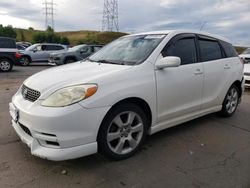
<point>125,132</point>
<point>232,100</point>
<point>5,65</point>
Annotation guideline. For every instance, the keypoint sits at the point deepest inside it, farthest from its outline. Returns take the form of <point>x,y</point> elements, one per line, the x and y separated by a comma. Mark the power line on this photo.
<point>110,16</point>
<point>49,12</point>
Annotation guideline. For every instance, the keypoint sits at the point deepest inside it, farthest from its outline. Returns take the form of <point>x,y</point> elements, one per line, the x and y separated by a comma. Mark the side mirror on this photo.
<point>34,50</point>
<point>169,61</point>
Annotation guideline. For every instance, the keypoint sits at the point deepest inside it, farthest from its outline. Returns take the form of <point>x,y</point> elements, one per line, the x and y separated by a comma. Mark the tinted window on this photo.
<point>210,50</point>
<point>53,47</point>
<point>84,49</point>
<point>229,49</point>
<point>97,48</point>
<point>7,43</point>
<point>183,48</point>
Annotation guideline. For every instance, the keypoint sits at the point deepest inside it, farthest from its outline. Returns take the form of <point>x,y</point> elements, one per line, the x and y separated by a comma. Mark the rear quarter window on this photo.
<point>7,43</point>
<point>229,49</point>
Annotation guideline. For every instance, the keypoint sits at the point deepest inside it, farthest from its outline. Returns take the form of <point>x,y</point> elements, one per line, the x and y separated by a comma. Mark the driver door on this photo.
<point>179,89</point>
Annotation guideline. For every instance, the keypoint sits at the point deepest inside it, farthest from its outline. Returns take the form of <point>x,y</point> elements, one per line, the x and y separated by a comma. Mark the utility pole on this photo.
<point>110,20</point>
<point>49,11</point>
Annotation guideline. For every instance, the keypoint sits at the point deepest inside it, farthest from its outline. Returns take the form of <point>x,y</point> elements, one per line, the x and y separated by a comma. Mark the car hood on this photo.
<point>71,74</point>
<point>244,55</point>
<point>62,53</point>
<point>247,68</point>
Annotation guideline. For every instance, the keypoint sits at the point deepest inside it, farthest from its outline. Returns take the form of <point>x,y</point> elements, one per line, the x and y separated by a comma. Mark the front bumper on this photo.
<point>53,61</point>
<point>54,154</point>
<point>57,133</point>
<point>247,81</point>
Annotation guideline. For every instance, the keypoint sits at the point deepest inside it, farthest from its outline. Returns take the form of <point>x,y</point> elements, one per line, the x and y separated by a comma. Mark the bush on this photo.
<point>49,36</point>
<point>7,31</point>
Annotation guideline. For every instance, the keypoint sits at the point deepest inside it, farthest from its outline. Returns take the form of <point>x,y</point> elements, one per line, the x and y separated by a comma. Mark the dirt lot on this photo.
<point>207,152</point>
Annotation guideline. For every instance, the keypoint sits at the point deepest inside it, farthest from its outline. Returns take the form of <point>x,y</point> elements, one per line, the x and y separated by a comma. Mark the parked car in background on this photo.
<point>74,54</point>
<point>137,85</point>
<point>8,54</point>
<point>247,73</point>
<point>39,53</point>
<point>245,55</point>
<point>20,47</point>
<point>25,44</point>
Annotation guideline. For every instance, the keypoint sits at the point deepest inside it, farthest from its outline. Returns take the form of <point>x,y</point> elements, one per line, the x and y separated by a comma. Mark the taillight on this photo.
<point>18,55</point>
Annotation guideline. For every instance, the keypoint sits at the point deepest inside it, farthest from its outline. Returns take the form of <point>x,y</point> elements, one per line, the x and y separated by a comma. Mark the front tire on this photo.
<point>122,131</point>
<point>230,102</point>
<point>5,65</point>
<point>69,60</point>
<point>25,61</point>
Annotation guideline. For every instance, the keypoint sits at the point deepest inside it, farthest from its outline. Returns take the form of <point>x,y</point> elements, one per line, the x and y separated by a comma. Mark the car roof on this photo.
<point>7,38</point>
<point>176,32</point>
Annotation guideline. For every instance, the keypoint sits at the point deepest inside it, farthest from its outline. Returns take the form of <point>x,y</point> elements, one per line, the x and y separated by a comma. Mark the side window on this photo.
<point>96,48</point>
<point>84,49</point>
<point>59,48</point>
<point>38,48</point>
<point>44,47</point>
<point>7,43</point>
<point>229,49</point>
<point>210,50</point>
<point>51,47</point>
<point>183,48</point>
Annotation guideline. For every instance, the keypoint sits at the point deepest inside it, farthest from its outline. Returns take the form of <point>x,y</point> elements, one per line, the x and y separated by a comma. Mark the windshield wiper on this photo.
<point>106,61</point>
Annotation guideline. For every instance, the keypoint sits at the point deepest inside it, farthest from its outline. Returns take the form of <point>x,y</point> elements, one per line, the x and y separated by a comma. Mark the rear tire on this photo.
<point>230,102</point>
<point>122,131</point>
<point>5,65</point>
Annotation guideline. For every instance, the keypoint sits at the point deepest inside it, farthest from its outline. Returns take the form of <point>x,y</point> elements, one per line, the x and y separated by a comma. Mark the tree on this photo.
<point>49,36</point>
<point>22,36</point>
<point>7,31</point>
<point>64,40</point>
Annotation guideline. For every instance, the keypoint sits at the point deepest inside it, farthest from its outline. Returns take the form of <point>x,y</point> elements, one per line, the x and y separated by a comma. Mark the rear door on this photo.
<point>218,71</point>
<point>179,89</point>
<point>50,49</point>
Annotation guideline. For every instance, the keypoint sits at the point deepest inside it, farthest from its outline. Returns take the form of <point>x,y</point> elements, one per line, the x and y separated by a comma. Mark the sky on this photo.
<point>228,18</point>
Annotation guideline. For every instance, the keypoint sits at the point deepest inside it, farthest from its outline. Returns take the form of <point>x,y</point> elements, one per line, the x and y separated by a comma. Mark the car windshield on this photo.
<point>30,48</point>
<point>128,50</point>
<point>247,51</point>
<point>77,47</point>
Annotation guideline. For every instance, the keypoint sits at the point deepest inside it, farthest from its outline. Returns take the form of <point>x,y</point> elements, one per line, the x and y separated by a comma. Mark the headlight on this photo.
<point>70,95</point>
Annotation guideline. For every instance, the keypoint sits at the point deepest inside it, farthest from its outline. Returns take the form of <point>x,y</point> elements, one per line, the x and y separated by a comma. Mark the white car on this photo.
<point>246,57</point>
<point>135,86</point>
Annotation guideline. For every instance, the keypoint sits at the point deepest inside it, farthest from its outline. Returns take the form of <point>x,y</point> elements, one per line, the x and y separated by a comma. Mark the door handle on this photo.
<point>198,72</point>
<point>227,66</point>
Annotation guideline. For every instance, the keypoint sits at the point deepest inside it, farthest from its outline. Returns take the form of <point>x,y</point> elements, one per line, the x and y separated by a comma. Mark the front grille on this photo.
<point>30,94</point>
<point>25,129</point>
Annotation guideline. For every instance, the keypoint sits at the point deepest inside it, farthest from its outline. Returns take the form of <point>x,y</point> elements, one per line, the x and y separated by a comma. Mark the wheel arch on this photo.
<point>137,101</point>
<point>237,83</point>
<point>29,57</point>
<point>6,57</point>
<point>69,57</point>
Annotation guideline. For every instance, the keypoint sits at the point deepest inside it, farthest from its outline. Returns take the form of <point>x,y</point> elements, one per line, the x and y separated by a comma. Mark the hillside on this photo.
<point>85,36</point>
<point>75,37</point>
